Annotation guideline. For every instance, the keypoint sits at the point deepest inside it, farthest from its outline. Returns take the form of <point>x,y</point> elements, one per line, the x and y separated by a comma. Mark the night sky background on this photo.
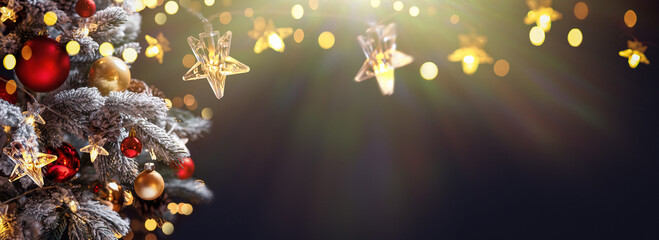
<point>566,146</point>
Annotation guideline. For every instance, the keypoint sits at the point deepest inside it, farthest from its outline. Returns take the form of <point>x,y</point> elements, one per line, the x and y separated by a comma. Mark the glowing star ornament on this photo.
<point>213,60</point>
<point>541,14</point>
<point>4,220</point>
<point>33,114</point>
<point>382,58</point>
<point>10,11</point>
<point>157,47</point>
<point>28,162</point>
<point>635,53</point>
<point>267,35</point>
<point>95,147</point>
<point>470,53</point>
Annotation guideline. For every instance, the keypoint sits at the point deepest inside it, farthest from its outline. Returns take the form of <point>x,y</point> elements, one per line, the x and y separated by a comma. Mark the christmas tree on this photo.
<point>86,148</point>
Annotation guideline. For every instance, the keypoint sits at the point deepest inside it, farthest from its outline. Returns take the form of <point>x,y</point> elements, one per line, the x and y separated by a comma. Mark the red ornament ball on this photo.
<point>43,64</point>
<point>186,169</point>
<point>8,91</point>
<point>66,166</point>
<point>85,8</point>
<point>131,147</point>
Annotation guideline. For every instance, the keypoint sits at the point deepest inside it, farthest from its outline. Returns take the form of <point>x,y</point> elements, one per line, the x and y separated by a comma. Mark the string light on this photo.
<point>9,61</point>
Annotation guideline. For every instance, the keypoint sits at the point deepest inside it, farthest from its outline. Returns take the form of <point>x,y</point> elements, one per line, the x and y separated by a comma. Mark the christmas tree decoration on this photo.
<point>131,146</point>
<point>109,74</point>
<point>157,47</point>
<point>8,91</point>
<point>213,60</point>
<point>4,220</point>
<point>85,8</point>
<point>10,11</point>
<point>382,58</point>
<point>84,28</point>
<point>66,166</point>
<point>635,53</point>
<point>27,161</point>
<point>149,184</point>
<point>541,14</point>
<point>43,64</point>
<point>470,53</point>
<point>267,35</point>
<point>185,169</point>
<point>95,147</point>
<point>33,114</point>
<point>109,193</point>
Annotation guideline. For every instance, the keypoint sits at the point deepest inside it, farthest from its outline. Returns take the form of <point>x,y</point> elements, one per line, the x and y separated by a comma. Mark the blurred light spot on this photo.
<point>106,49</point>
<point>185,209</point>
<point>398,6</point>
<point>249,12</point>
<point>225,18</point>
<point>188,99</point>
<point>129,55</point>
<point>326,40</point>
<point>128,198</point>
<point>172,207</point>
<point>297,11</point>
<point>276,42</point>
<point>501,67</point>
<point>581,10</point>
<point>455,19</point>
<point>195,6</point>
<point>630,18</point>
<point>194,106</point>
<point>160,18</point>
<point>72,47</point>
<point>9,61</point>
<point>139,6</point>
<point>150,224</point>
<point>150,3</point>
<point>200,183</point>
<point>545,22</point>
<point>209,2</point>
<point>207,113</point>
<point>259,24</point>
<point>537,36</point>
<point>574,37</point>
<point>167,228</point>
<point>469,59</point>
<point>188,60</point>
<point>375,3</point>
<point>129,236</point>
<point>119,1</point>
<point>634,60</point>
<point>226,3</point>
<point>298,36</point>
<point>429,71</point>
<point>313,4</point>
<point>150,236</point>
<point>168,103</point>
<point>50,18</point>
<point>10,88</point>
<point>414,11</point>
<point>26,52</point>
<point>171,7</point>
<point>177,102</point>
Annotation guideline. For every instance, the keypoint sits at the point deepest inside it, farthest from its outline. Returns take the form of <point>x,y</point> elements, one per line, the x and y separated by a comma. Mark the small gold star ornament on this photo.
<point>267,35</point>
<point>33,114</point>
<point>470,53</point>
<point>157,47</point>
<point>541,14</point>
<point>95,147</point>
<point>27,161</point>
<point>635,53</point>
<point>10,11</point>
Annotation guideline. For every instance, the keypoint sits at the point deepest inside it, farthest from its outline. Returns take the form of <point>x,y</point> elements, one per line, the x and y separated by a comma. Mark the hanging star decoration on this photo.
<point>635,52</point>
<point>157,47</point>
<point>33,114</point>
<point>382,58</point>
<point>213,60</point>
<point>95,147</point>
<point>470,53</point>
<point>9,12</point>
<point>541,13</point>
<point>267,35</point>
<point>4,221</point>
<point>27,161</point>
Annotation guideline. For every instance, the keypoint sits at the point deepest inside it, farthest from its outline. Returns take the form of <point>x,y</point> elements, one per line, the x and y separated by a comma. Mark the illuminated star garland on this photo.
<point>470,53</point>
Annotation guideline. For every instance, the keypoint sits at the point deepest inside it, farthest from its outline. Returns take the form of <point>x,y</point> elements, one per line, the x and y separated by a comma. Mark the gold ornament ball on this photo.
<point>109,193</point>
<point>149,184</point>
<point>109,74</point>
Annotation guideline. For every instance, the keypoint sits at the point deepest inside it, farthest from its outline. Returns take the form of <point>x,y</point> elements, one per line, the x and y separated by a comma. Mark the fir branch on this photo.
<point>57,232</point>
<point>166,147</point>
<point>9,44</point>
<point>187,124</point>
<point>10,115</point>
<point>103,221</point>
<point>115,166</point>
<point>189,189</point>
<point>106,20</point>
<point>137,105</point>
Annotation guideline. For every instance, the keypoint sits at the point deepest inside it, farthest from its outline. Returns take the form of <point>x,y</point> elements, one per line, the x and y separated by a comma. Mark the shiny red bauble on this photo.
<point>186,169</point>
<point>131,147</point>
<point>66,166</point>
<point>43,64</point>
<point>85,8</point>
<point>4,92</point>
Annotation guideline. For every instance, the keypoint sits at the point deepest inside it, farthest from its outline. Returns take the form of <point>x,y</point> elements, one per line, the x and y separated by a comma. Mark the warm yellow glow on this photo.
<point>195,6</point>
<point>428,71</point>
<point>189,99</point>
<point>298,36</point>
<point>139,5</point>
<point>167,228</point>
<point>26,52</point>
<point>297,11</point>
<point>7,14</point>
<point>225,18</point>
<point>128,198</point>
<point>73,205</point>
<point>50,18</point>
<point>209,2</point>
<point>634,59</point>
<point>171,7</point>
<point>160,18</point>
<point>177,102</point>
<point>630,18</point>
<point>384,75</point>
<point>188,60</point>
<point>129,55</point>
<point>455,19</point>
<point>375,3</point>
<point>207,113</point>
<point>150,236</point>
<point>172,207</point>
<point>501,68</point>
<point>10,88</point>
<point>398,6</point>
<point>326,40</point>
<point>168,103</point>
<point>149,3</point>
<point>544,22</point>
<point>313,4</point>
<point>226,3</point>
<point>150,224</point>
<point>249,12</point>
<point>9,61</point>
<point>537,36</point>
<point>185,208</point>
<point>470,64</point>
<point>106,49</point>
<point>574,37</point>
<point>72,47</point>
<point>152,51</point>
<point>414,11</point>
<point>276,42</point>
<point>119,1</point>
<point>581,10</point>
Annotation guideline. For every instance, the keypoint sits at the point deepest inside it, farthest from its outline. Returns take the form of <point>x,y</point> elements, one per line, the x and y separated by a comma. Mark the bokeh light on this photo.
<point>574,37</point>
<point>375,3</point>
<point>630,18</point>
<point>225,18</point>
<point>581,10</point>
<point>428,71</point>
<point>207,113</point>
<point>414,11</point>
<point>129,55</point>
<point>50,18</point>
<point>189,100</point>
<point>106,49</point>
<point>172,207</point>
<point>185,209</point>
<point>177,102</point>
<point>72,47</point>
<point>26,52</point>
<point>501,68</point>
<point>139,6</point>
<point>150,224</point>
<point>313,4</point>
<point>150,236</point>
<point>10,87</point>
<point>167,228</point>
<point>189,60</point>
<point>537,36</point>
<point>249,12</point>
<point>171,7</point>
<point>9,61</point>
<point>398,6</point>
<point>326,40</point>
<point>150,3</point>
<point>455,19</point>
<point>297,11</point>
<point>168,103</point>
<point>209,2</point>
<point>298,35</point>
<point>160,18</point>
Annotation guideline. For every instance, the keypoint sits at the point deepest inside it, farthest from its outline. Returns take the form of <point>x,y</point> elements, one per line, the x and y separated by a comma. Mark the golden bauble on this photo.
<point>109,74</point>
<point>149,184</point>
<point>109,193</point>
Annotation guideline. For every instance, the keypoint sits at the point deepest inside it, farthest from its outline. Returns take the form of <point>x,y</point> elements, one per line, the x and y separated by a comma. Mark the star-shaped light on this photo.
<point>541,14</point>
<point>27,161</point>
<point>84,28</point>
<point>9,12</point>
<point>635,53</point>
<point>267,35</point>
<point>213,60</point>
<point>95,147</point>
<point>470,53</point>
<point>33,114</point>
<point>157,47</point>
<point>382,58</point>
<point>4,221</point>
